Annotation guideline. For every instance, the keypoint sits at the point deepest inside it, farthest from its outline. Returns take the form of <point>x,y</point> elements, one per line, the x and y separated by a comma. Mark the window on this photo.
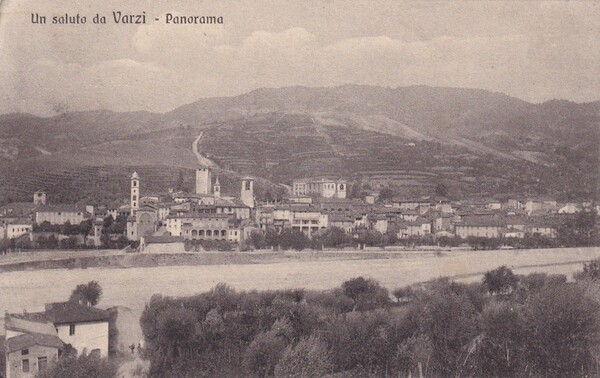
<point>134,197</point>
<point>134,183</point>
<point>42,363</point>
<point>71,329</point>
<point>24,352</point>
<point>25,366</point>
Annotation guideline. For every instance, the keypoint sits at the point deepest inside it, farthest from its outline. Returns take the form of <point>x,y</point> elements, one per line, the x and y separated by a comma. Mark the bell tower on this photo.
<point>135,192</point>
<point>247,193</point>
<point>217,188</point>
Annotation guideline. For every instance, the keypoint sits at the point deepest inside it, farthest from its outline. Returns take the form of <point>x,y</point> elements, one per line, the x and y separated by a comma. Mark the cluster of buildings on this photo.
<point>35,340</point>
<point>418,217</point>
<point>163,222</point>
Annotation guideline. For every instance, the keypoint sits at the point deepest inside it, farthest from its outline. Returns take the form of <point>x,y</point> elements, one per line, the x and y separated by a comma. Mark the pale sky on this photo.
<point>533,50</point>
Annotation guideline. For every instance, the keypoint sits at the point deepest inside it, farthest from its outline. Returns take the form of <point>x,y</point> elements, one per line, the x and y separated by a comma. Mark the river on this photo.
<point>133,287</point>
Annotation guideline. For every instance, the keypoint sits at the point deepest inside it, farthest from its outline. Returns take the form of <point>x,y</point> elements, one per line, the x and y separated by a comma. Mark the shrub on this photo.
<point>500,281</point>
<point>309,358</point>
<point>263,354</point>
<point>83,366</point>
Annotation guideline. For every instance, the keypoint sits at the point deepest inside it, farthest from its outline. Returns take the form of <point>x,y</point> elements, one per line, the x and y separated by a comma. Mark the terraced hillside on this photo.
<point>474,141</point>
<point>282,147</point>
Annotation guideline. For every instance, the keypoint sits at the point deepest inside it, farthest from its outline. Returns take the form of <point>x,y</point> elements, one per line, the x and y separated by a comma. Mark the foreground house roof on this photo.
<point>36,323</point>
<point>66,313</point>
<point>31,339</point>
<point>73,312</point>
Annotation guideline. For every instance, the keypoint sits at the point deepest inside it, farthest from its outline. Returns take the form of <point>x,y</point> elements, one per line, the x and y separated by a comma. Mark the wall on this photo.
<point>14,361</point>
<point>16,230</point>
<point>165,248</point>
<point>87,336</point>
<point>60,217</point>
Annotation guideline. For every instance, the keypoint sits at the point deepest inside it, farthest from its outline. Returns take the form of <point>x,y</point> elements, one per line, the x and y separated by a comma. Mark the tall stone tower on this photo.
<point>135,193</point>
<point>203,180</point>
<point>247,194</point>
<point>217,188</point>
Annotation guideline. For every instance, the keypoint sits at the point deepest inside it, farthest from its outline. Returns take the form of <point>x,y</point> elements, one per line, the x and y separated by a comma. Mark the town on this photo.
<point>316,213</point>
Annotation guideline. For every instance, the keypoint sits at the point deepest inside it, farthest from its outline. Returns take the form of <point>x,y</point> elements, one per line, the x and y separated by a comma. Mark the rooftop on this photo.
<point>29,340</point>
<point>64,207</point>
<point>73,312</point>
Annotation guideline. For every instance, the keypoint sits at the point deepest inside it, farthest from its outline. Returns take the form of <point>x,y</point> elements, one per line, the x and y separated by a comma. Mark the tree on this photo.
<point>86,365</point>
<point>179,184</point>
<point>500,281</point>
<point>448,318</point>
<point>590,271</point>
<point>367,294</point>
<point>257,239</point>
<point>309,358</point>
<point>578,229</point>
<point>500,352</point>
<point>561,325</point>
<point>386,194</point>
<point>264,353</point>
<point>88,294</point>
<point>441,190</point>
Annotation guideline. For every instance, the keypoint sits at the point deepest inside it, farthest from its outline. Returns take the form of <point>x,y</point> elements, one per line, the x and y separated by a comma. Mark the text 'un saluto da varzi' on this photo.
<point>118,17</point>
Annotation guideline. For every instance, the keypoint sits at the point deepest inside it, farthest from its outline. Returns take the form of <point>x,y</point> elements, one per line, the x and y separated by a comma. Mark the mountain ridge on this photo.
<point>332,130</point>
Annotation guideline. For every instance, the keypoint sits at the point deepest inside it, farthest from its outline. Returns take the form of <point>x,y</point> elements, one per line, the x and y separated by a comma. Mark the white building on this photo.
<point>84,327</point>
<point>327,188</point>
<point>17,228</point>
<point>61,214</point>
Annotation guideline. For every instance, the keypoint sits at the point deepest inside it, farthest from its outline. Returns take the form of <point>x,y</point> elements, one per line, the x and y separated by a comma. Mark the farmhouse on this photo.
<point>30,353</point>
<point>33,340</point>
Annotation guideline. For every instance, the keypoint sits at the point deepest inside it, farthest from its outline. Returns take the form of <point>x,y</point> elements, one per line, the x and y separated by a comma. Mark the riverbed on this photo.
<point>133,287</point>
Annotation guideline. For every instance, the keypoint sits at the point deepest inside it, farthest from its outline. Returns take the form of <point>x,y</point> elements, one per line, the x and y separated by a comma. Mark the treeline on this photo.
<point>506,325</point>
<point>335,237</point>
<point>70,236</point>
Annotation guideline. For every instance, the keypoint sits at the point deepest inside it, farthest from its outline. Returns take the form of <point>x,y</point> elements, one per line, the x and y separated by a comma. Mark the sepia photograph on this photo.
<point>299,188</point>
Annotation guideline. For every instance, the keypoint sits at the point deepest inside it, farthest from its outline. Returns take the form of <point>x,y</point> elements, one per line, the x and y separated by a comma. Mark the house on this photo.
<point>418,227</point>
<point>483,227</point>
<point>569,208</point>
<point>308,219</point>
<point>233,207</point>
<point>541,228</point>
<point>33,340</point>
<point>535,205</point>
<point>61,214</point>
<point>16,228</point>
<point>326,188</point>
<point>203,226</point>
<point>83,327</point>
<point>30,353</point>
<point>343,221</point>
<point>378,222</point>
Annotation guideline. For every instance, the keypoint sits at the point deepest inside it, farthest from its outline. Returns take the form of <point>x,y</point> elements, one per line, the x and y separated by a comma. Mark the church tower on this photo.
<point>217,188</point>
<point>203,180</point>
<point>135,193</point>
<point>247,194</point>
<point>39,197</point>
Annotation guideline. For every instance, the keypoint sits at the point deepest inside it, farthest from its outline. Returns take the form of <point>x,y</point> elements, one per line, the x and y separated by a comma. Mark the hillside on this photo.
<point>413,138</point>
